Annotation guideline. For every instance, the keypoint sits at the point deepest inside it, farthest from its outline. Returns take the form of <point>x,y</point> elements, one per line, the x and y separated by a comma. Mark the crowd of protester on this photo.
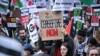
<point>86,42</point>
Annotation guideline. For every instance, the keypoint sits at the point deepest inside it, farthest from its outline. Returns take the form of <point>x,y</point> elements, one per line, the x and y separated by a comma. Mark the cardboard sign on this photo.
<point>51,25</point>
<point>11,22</point>
<point>32,30</point>
<point>16,13</point>
<point>94,21</point>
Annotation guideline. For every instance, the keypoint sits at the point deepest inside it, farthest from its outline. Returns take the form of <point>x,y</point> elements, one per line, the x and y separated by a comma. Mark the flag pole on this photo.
<point>11,8</point>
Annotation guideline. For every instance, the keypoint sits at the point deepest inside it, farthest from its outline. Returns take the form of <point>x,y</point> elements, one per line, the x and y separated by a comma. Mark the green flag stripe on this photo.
<point>19,4</point>
<point>87,2</point>
<point>97,12</point>
<point>4,7</point>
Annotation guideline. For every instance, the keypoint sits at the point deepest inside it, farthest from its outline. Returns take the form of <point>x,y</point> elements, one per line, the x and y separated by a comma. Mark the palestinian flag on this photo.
<point>69,26</point>
<point>17,3</point>
<point>87,2</point>
<point>69,29</point>
<point>96,9</point>
<point>4,6</point>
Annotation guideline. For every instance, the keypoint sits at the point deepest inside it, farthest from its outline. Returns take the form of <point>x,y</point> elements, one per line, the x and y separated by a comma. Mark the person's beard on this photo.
<point>80,42</point>
<point>23,37</point>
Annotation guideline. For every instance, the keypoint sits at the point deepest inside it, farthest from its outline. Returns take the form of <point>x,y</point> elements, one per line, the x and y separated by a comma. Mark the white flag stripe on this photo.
<point>89,13</point>
<point>3,11</point>
<point>24,11</point>
<point>95,5</point>
<point>4,2</point>
<point>95,10</point>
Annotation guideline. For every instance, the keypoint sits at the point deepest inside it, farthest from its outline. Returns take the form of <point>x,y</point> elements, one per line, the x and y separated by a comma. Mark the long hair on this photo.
<point>68,46</point>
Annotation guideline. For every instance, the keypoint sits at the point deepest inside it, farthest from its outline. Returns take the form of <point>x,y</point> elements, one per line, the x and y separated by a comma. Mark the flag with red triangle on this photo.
<point>17,3</point>
<point>14,1</point>
<point>69,27</point>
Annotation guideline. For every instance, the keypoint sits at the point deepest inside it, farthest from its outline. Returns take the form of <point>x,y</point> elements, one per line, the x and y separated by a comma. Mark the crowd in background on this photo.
<point>84,42</point>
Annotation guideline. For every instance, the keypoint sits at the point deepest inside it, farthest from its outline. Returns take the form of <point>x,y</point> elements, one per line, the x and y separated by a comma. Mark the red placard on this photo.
<point>94,21</point>
<point>24,19</point>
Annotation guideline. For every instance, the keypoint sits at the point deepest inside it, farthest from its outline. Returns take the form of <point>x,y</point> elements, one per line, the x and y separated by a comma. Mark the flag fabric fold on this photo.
<point>17,3</point>
<point>87,2</point>
<point>69,27</point>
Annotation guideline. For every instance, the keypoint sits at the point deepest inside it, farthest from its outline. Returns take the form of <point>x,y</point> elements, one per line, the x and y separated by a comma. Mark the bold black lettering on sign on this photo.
<point>51,23</point>
<point>31,28</point>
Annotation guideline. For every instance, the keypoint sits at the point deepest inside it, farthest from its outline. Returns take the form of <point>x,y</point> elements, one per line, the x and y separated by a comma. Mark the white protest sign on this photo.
<point>33,30</point>
<point>37,20</point>
<point>77,4</point>
<point>24,11</point>
<point>40,3</point>
<point>33,9</point>
<point>63,5</point>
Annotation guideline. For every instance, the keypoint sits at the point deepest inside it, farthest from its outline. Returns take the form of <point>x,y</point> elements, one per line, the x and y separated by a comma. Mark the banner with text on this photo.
<point>60,5</point>
<point>11,22</point>
<point>32,29</point>
<point>51,25</point>
<point>94,21</point>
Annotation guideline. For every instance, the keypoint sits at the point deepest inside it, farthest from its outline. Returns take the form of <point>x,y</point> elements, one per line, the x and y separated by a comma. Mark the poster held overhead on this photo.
<point>33,31</point>
<point>51,25</point>
<point>94,21</point>
<point>61,5</point>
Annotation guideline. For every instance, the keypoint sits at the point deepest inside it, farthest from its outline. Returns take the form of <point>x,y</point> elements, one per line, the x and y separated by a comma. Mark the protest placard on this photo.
<point>51,25</point>
<point>66,5</point>
<point>32,29</point>
<point>94,21</point>
<point>11,22</point>
<point>24,20</point>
